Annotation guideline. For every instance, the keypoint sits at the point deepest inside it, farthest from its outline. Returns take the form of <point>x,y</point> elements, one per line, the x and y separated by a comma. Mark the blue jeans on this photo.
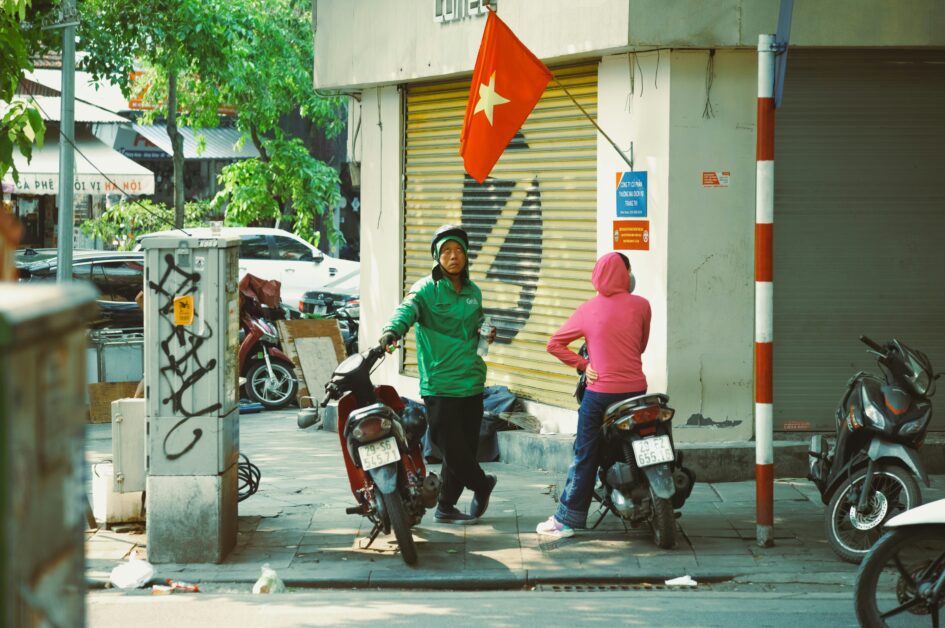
<point>578,489</point>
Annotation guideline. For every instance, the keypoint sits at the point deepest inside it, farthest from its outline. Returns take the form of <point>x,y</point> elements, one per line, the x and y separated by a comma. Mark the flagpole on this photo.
<point>593,121</point>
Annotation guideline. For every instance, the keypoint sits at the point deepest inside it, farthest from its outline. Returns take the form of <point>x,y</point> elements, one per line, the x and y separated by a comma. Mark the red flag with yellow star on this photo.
<point>506,85</point>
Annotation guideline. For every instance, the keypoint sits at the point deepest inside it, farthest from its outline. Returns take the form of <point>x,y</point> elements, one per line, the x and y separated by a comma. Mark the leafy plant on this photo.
<point>21,37</point>
<point>120,224</point>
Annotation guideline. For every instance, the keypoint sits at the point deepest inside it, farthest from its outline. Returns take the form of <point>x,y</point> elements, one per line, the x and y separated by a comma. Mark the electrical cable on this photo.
<point>109,179</point>
<point>248,477</point>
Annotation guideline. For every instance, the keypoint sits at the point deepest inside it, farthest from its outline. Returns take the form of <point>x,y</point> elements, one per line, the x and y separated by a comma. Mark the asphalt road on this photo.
<point>107,609</point>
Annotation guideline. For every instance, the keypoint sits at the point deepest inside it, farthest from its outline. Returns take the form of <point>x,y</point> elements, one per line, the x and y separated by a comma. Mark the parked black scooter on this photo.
<point>870,476</point>
<point>641,472</point>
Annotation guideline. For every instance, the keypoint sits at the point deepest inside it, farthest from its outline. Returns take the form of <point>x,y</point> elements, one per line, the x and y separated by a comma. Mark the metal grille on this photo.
<point>858,221</point>
<point>532,224</point>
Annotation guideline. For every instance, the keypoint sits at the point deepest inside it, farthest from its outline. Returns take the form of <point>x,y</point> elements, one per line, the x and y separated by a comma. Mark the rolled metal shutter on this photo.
<point>532,224</point>
<point>859,219</point>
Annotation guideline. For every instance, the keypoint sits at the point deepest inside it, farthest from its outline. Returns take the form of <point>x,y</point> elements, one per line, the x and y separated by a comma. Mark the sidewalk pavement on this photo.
<point>297,524</point>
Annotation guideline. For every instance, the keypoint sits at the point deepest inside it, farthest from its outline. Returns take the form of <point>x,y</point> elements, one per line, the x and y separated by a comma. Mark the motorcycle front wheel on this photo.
<point>399,521</point>
<point>275,393</point>
<point>896,584</point>
<point>664,522</point>
<point>851,533</point>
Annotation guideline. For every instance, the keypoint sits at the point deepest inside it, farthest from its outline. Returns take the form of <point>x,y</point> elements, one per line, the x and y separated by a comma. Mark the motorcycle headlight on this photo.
<point>874,415</point>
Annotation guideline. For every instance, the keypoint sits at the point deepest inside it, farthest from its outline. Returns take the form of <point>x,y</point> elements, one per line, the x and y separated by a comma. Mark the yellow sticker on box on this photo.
<point>184,310</point>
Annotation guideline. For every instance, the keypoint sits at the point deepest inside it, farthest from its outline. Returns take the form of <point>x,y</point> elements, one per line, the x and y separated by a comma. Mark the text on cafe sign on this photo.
<point>84,184</point>
<point>454,10</point>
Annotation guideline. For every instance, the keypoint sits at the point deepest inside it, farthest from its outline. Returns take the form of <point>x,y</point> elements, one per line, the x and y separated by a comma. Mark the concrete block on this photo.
<point>200,445</point>
<point>191,519</point>
<point>711,462</point>
<point>109,506</point>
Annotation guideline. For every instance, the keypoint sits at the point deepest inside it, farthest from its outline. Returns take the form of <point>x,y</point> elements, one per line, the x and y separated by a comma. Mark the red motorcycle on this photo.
<point>380,442</point>
<point>270,375</point>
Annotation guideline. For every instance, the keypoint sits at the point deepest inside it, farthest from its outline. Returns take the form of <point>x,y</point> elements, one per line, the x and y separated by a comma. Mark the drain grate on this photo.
<point>600,588</point>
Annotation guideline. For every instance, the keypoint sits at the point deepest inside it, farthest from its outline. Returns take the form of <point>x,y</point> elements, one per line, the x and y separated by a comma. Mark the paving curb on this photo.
<point>711,462</point>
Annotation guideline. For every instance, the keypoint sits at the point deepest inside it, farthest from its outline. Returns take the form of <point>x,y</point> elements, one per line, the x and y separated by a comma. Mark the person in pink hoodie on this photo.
<point>615,325</point>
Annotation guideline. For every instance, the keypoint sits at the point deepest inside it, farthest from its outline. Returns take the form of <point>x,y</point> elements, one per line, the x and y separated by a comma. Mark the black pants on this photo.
<point>454,427</point>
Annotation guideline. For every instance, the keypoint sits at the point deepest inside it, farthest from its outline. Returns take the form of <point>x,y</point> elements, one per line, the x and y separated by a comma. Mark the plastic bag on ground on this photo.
<point>269,582</point>
<point>133,574</point>
<point>682,581</point>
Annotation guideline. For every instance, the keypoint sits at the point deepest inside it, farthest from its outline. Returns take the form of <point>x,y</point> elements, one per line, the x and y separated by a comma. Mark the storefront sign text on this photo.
<point>631,235</point>
<point>454,10</point>
<point>631,194</point>
<point>716,179</point>
<point>84,184</point>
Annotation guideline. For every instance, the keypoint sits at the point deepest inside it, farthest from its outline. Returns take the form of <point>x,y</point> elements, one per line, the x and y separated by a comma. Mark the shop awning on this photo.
<point>98,170</point>
<point>219,143</point>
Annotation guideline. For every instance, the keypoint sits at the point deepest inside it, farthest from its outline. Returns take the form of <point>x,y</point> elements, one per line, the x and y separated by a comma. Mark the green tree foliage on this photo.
<point>252,56</point>
<point>120,224</point>
<point>179,41</point>
<point>20,38</point>
<point>269,76</point>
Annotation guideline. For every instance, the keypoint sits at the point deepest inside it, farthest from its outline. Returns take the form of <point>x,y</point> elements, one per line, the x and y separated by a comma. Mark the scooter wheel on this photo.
<point>850,533</point>
<point>399,521</point>
<point>272,394</point>
<point>664,522</point>
<point>893,580</point>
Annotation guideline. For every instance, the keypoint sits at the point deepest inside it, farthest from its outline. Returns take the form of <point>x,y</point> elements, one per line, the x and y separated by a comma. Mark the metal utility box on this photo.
<point>190,353</point>
<point>115,356</point>
<point>42,458</point>
<point>128,445</point>
<point>191,326</point>
<point>200,445</point>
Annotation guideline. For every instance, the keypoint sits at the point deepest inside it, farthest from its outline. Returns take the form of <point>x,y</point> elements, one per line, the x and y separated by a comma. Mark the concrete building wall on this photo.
<point>369,42</point>
<point>639,117</point>
<point>698,273</point>
<point>379,147</point>
<point>710,296</point>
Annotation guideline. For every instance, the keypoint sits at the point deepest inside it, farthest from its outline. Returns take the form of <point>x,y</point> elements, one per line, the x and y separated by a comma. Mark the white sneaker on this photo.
<point>554,528</point>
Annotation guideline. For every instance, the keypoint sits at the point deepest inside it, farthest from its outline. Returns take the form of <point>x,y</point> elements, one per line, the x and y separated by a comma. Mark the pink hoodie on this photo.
<point>616,326</point>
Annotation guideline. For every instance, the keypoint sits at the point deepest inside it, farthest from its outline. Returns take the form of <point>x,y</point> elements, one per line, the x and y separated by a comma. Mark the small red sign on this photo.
<point>716,179</point>
<point>631,235</point>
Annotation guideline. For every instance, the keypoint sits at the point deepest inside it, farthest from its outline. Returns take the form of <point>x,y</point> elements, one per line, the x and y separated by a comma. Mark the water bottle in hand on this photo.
<point>484,330</point>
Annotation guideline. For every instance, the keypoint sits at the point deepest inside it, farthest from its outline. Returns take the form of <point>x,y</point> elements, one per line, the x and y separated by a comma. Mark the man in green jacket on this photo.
<point>446,307</point>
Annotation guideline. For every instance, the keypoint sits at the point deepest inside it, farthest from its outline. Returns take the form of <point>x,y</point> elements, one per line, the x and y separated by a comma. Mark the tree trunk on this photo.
<point>264,157</point>
<point>177,143</point>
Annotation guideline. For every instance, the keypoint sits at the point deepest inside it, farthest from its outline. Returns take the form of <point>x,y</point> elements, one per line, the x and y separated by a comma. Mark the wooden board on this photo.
<point>309,328</point>
<point>318,362</point>
<point>102,395</point>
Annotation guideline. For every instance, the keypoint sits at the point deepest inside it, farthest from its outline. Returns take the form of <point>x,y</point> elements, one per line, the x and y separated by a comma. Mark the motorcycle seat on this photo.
<point>625,406</point>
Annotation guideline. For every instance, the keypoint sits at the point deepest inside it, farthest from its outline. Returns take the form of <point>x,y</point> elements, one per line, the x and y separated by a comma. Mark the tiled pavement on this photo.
<point>297,524</point>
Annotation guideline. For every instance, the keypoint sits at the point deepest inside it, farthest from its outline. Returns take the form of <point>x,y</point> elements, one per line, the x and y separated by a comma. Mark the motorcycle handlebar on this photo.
<point>872,344</point>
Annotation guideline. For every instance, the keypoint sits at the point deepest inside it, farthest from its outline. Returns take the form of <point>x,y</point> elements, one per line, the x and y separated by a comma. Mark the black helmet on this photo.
<point>447,231</point>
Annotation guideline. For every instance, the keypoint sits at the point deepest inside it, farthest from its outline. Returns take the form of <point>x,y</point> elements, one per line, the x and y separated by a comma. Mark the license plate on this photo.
<point>655,450</point>
<point>379,453</point>
<point>319,309</point>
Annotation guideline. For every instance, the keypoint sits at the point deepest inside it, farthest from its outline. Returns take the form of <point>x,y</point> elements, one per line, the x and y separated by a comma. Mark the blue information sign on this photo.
<point>631,194</point>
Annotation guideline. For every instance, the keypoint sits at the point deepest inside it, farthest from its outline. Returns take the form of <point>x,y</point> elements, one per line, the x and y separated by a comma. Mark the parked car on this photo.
<point>320,302</point>
<point>119,277</point>
<point>283,256</point>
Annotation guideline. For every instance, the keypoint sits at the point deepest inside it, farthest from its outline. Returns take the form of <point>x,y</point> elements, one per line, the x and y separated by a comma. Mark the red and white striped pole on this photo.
<point>764,295</point>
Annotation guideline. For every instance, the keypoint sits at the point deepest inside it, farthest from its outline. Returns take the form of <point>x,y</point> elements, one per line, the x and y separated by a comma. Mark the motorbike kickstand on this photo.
<point>374,533</point>
<point>603,510</point>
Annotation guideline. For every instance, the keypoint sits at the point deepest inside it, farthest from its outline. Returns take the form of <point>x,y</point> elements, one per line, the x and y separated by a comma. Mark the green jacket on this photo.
<point>447,335</point>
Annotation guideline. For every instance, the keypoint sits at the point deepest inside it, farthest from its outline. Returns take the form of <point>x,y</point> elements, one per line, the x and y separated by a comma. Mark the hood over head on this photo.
<point>610,275</point>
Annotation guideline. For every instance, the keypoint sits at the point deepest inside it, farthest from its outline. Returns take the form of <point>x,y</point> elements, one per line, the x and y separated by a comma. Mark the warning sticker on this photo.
<point>184,310</point>
<point>716,179</point>
<point>631,235</point>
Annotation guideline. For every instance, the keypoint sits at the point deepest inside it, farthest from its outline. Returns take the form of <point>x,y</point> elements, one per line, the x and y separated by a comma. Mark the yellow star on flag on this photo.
<point>488,98</point>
